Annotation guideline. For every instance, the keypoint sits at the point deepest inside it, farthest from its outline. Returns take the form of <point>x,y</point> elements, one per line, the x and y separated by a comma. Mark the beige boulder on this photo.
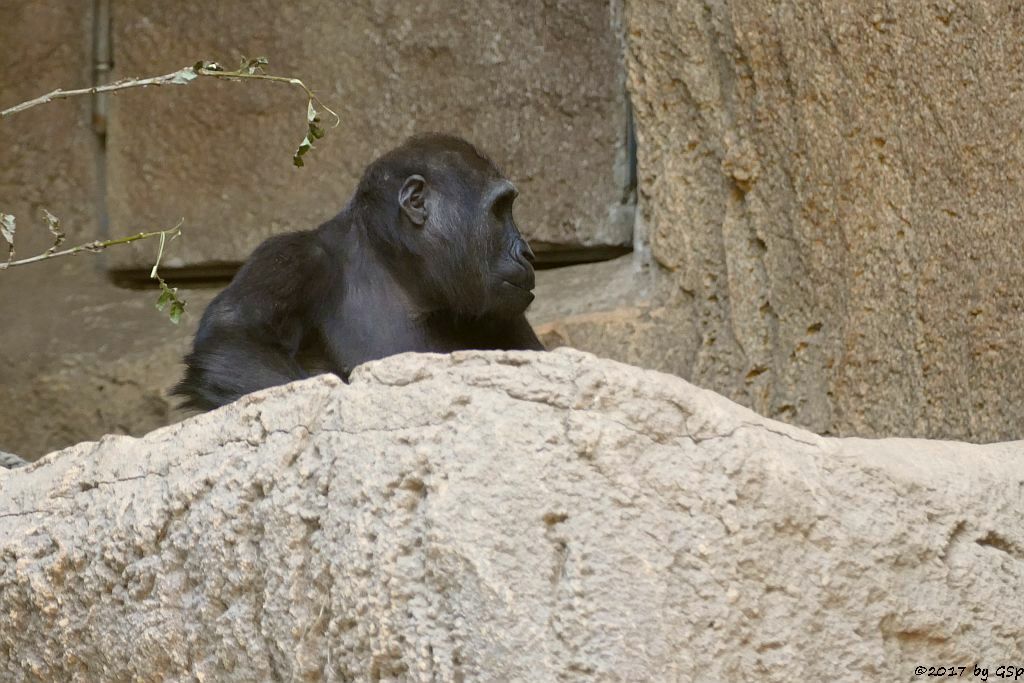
<point>507,516</point>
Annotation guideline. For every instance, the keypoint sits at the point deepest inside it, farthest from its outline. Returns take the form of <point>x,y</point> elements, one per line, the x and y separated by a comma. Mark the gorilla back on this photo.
<point>426,256</point>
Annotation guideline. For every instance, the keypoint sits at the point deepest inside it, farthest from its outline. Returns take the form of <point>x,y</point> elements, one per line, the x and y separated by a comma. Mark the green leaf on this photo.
<point>166,296</point>
<point>169,295</point>
<point>177,308</point>
<point>7,228</point>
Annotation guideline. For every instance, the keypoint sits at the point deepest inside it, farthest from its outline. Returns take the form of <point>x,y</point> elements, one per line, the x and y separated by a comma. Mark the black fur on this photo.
<point>426,256</point>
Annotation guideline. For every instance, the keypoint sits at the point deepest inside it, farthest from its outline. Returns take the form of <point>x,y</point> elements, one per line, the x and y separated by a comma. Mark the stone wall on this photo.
<point>829,194</point>
<point>539,86</point>
<point>77,356</point>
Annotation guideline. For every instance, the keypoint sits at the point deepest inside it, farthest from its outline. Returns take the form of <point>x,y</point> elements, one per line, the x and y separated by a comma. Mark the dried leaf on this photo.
<point>7,228</point>
<point>304,147</point>
<point>206,65</point>
<point>313,132</point>
<point>185,76</point>
<point>253,66</point>
<point>54,224</point>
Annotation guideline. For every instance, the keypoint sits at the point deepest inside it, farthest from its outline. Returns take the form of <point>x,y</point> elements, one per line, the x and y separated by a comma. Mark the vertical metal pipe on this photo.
<point>102,63</point>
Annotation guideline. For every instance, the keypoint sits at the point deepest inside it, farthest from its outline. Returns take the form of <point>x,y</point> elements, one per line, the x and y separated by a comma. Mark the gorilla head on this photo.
<point>426,256</point>
<point>445,210</point>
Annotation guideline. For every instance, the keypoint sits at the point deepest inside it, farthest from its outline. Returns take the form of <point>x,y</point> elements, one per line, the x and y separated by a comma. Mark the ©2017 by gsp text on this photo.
<point>1005,672</point>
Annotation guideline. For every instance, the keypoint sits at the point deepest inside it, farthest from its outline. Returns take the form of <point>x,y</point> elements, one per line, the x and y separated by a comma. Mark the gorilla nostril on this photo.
<point>525,253</point>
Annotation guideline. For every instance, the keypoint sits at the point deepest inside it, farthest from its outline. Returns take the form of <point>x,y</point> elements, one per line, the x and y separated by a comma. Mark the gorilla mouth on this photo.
<point>528,290</point>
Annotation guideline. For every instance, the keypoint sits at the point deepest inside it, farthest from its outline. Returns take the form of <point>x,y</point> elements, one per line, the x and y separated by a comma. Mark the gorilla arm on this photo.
<point>250,333</point>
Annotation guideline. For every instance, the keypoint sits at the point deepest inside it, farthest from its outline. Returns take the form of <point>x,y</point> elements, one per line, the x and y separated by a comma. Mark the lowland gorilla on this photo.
<point>425,257</point>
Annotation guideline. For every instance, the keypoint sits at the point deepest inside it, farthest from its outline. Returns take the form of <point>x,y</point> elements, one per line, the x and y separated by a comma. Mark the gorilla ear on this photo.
<point>411,198</point>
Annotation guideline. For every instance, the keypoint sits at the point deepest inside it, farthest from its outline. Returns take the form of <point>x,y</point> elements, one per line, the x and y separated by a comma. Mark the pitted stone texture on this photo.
<point>836,186</point>
<point>506,516</point>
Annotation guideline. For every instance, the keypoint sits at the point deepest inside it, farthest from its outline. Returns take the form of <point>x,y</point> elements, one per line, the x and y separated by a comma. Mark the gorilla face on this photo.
<point>511,274</point>
<point>476,259</point>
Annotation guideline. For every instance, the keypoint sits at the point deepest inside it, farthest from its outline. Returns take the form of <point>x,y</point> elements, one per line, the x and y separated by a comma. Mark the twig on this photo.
<point>168,294</point>
<point>231,75</point>
<point>97,245</point>
<point>180,77</point>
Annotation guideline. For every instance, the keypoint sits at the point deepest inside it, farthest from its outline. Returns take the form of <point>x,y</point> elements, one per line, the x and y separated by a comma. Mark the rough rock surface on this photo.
<point>517,516</point>
<point>836,187</point>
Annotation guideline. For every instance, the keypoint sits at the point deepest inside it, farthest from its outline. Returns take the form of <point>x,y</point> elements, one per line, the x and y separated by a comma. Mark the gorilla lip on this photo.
<point>512,284</point>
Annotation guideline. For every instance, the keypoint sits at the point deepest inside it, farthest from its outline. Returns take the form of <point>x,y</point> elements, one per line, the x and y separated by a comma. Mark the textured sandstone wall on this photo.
<point>47,155</point>
<point>836,189</point>
<point>507,517</point>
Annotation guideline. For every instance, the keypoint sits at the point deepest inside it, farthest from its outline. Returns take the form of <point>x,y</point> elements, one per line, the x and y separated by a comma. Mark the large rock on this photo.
<point>836,185</point>
<point>538,85</point>
<point>519,516</point>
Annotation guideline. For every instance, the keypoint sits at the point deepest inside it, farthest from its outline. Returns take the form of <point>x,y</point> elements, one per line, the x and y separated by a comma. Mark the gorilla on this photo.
<point>426,256</point>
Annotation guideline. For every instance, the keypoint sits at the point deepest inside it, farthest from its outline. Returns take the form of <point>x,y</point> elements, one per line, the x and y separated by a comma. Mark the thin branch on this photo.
<point>168,294</point>
<point>231,75</point>
<point>97,245</point>
<point>180,77</point>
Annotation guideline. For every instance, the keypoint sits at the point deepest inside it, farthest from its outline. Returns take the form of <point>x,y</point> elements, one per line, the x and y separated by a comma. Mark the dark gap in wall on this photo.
<point>217,275</point>
<point>630,150</point>
<point>202,276</point>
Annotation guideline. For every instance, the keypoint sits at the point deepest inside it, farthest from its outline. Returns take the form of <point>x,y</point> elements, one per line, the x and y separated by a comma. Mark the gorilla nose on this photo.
<point>524,254</point>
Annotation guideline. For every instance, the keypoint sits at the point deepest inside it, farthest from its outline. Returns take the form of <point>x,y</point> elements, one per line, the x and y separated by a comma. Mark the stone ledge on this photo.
<point>507,516</point>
